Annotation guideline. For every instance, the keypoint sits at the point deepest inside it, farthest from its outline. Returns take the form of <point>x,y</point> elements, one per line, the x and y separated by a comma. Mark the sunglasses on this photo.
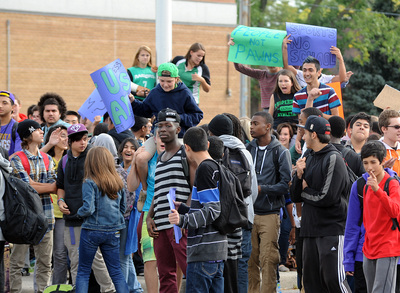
<point>397,127</point>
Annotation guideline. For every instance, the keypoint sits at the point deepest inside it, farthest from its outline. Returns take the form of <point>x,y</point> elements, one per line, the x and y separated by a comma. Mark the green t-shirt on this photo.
<point>143,77</point>
<point>186,77</point>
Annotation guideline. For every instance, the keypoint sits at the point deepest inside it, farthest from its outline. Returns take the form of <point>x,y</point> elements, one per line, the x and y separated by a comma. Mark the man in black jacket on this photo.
<point>320,182</point>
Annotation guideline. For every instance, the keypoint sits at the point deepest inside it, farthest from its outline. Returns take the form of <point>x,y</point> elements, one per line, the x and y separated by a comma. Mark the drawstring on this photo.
<point>263,159</point>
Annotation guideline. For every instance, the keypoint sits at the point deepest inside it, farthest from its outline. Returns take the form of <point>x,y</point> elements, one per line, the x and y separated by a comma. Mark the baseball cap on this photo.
<point>26,127</point>
<point>172,70</point>
<point>317,124</point>
<point>168,115</point>
<point>8,94</point>
<point>76,128</point>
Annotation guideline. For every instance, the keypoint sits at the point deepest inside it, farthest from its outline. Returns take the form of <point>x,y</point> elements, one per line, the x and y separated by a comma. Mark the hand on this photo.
<point>173,217</point>
<point>97,120</point>
<point>197,77</point>
<point>348,75</point>
<point>389,163</point>
<point>231,42</point>
<point>141,91</point>
<point>305,185</point>
<point>336,51</point>
<point>349,273</point>
<point>297,146</point>
<point>55,137</point>
<point>371,181</point>
<point>286,41</point>
<point>259,189</point>
<point>63,207</point>
<point>314,94</point>
<point>177,204</point>
<point>151,227</point>
<point>292,236</point>
<point>300,166</point>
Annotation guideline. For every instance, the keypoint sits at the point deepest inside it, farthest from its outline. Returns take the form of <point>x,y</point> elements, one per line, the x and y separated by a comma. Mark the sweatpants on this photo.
<point>380,274</point>
<point>323,269</point>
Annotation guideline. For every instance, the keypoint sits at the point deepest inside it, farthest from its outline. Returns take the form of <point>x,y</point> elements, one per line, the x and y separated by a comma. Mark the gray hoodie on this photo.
<point>271,197</point>
<point>6,168</point>
<point>234,143</point>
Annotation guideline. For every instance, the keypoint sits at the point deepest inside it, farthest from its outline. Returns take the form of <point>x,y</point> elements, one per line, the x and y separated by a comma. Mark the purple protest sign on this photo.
<point>171,198</point>
<point>113,84</point>
<point>310,40</point>
<point>93,106</point>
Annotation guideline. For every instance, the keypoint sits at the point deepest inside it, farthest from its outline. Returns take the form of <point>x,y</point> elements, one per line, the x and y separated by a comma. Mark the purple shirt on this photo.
<point>6,140</point>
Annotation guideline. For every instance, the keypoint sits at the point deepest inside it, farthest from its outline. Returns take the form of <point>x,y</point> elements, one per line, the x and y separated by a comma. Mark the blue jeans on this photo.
<point>203,277</point>
<point>108,242</point>
<point>243,276</point>
<point>127,267</point>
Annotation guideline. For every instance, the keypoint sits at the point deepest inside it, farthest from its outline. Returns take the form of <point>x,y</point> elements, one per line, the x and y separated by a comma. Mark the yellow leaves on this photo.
<point>350,45</point>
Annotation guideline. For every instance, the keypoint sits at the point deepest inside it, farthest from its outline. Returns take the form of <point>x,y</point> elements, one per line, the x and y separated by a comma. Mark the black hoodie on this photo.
<point>70,180</point>
<point>325,206</point>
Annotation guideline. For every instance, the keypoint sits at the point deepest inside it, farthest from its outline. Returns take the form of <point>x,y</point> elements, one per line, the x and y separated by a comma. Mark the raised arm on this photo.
<point>342,67</point>
<point>285,57</point>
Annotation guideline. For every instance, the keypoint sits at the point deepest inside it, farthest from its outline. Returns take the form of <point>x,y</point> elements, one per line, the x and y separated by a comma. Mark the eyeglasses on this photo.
<point>397,127</point>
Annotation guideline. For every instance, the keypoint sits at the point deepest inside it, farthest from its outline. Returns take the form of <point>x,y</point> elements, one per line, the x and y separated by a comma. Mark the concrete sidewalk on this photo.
<point>288,283</point>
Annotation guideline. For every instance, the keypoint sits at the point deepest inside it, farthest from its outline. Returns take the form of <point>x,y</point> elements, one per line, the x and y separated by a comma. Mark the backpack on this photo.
<point>25,221</point>
<point>25,161</point>
<point>361,187</point>
<point>233,208</point>
<point>352,176</point>
<point>236,161</point>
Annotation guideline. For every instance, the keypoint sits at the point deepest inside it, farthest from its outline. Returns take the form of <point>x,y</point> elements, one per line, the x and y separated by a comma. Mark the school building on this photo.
<point>53,46</point>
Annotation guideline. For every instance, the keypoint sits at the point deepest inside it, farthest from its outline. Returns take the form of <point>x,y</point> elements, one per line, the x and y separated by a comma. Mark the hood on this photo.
<point>232,142</point>
<point>106,141</point>
<point>273,144</point>
<point>5,165</point>
<point>120,136</point>
<point>388,170</point>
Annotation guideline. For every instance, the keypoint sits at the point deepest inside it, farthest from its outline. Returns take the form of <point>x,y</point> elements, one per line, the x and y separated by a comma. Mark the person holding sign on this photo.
<point>266,78</point>
<point>281,102</point>
<point>193,70</point>
<point>315,94</point>
<point>142,73</point>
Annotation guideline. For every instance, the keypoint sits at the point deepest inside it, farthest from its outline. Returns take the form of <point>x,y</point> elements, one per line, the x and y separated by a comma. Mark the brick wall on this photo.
<point>57,54</point>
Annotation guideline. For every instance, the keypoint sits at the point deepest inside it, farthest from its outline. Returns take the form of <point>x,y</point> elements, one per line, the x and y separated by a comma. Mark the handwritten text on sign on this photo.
<point>114,85</point>
<point>257,46</point>
<point>309,40</point>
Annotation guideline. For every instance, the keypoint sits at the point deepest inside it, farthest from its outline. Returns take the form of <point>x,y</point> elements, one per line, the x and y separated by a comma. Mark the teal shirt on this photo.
<point>142,76</point>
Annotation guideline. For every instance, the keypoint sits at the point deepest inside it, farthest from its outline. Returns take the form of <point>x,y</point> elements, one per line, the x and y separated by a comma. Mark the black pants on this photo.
<point>299,258</point>
<point>231,276</point>
<point>323,269</point>
<point>2,266</point>
<point>360,286</point>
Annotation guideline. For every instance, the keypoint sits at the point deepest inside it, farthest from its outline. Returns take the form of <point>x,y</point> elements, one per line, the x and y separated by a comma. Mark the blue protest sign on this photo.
<point>310,40</point>
<point>93,106</point>
<point>113,85</point>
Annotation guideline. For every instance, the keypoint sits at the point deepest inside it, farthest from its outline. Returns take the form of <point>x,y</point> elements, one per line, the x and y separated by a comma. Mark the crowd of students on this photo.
<point>105,194</point>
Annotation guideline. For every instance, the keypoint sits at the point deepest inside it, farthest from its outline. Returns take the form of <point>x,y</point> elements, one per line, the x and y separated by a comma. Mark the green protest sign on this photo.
<point>257,46</point>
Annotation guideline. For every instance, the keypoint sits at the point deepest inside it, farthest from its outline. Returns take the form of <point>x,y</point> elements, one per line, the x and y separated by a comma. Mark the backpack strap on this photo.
<point>395,223</point>
<point>360,192</point>
<point>14,131</point>
<point>45,160</point>
<point>185,164</point>
<point>64,162</point>
<point>24,161</point>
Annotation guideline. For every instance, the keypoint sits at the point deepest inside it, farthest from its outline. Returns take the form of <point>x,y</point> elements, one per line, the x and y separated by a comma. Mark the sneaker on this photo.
<point>282,268</point>
<point>278,288</point>
<point>25,272</point>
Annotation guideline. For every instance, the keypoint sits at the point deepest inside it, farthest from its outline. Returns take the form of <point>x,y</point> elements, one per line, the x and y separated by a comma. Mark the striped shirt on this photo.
<point>38,173</point>
<point>327,101</point>
<point>205,243</point>
<point>169,174</point>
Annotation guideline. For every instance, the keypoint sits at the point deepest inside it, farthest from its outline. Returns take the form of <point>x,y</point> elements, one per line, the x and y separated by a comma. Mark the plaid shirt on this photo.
<point>38,173</point>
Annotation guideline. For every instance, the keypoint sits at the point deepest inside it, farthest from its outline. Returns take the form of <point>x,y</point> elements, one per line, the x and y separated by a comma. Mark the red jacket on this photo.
<point>379,209</point>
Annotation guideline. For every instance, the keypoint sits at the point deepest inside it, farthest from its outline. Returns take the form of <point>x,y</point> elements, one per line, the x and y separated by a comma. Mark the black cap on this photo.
<point>317,124</point>
<point>168,115</point>
<point>26,127</point>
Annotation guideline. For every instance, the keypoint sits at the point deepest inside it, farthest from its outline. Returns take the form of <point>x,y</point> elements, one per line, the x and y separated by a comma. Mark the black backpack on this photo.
<point>352,177</point>
<point>25,221</point>
<point>233,208</point>
<point>236,161</point>
<point>361,183</point>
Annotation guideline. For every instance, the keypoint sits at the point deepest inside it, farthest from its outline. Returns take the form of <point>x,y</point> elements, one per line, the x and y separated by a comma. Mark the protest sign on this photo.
<point>310,40</point>
<point>389,97</point>
<point>336,86</point>
<point>113,85</point>
<point>257,46</point>
<point>93,106</point>
<point>171,198</point>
